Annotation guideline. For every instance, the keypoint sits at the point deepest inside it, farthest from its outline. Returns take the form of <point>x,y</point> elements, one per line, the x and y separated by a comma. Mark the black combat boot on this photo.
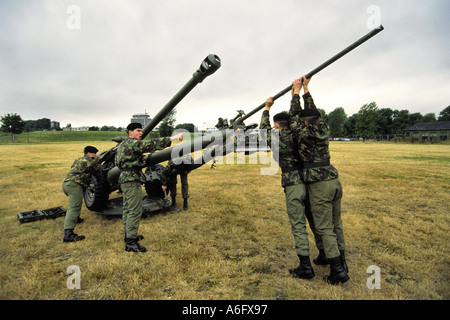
<point>133,245</point>
<point>321,259</point>
<point>304,270</point>
<point>337,273</point>
<point>185,204</point>
<point>69,236</point>
<point>343,262</point>
<point>174,202</point>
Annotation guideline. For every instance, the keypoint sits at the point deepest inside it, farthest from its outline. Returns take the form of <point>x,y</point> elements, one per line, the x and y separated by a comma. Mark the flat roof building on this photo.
<point>427,131</point>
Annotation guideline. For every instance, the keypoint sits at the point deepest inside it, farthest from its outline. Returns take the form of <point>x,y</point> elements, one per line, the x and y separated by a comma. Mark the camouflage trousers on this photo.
<point>297,207</point>
<point>74,193</point>
<point>325,200</point>
<point>132,208</point>
<point>184,186</point>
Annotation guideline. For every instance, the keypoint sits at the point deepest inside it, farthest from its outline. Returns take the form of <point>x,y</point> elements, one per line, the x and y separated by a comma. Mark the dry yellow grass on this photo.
<point>234,242</point>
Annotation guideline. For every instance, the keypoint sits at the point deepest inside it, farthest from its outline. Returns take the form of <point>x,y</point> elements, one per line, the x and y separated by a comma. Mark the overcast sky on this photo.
<point>98,62</point>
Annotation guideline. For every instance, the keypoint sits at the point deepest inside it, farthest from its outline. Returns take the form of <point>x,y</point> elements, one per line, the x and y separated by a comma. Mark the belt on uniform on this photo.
<point>285,170</point>
<point>134,169</point>
<point>310,165</point>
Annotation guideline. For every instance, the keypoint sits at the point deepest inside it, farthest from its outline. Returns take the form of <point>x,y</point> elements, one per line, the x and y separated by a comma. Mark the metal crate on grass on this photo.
<point>53,213</point>
<point>28,216</point>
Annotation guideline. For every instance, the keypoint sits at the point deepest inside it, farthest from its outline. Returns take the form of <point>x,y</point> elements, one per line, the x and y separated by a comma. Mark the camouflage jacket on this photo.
<point>172,169</point>
<point>314,143</point>
<point>284,151</point>
<point>169,171</point>
<point>130,157</point>
<point>82,169</point>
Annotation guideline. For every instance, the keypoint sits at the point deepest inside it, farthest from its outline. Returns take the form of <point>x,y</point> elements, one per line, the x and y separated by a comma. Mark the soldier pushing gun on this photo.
<point>321,179</point>
<point>76,180</point>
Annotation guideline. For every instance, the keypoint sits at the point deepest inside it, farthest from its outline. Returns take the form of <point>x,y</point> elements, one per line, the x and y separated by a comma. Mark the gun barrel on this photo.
<point>208,66</point>
<point>189,146</point>
<point>321,67</point>
<point>166,154</point>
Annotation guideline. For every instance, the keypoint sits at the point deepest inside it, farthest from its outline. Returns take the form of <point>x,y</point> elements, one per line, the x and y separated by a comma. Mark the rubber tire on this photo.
<point>97,194</point>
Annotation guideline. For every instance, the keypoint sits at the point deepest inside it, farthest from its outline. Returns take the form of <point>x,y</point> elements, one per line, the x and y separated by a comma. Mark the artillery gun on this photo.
<point>250,141</point>
<point>96,196</point>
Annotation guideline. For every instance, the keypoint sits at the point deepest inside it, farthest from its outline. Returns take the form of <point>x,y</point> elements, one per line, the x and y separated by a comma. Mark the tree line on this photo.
<point>371,121</point>
<point>13,124</point>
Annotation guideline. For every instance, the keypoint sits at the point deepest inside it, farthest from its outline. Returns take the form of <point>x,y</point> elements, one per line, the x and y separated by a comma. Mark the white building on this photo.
<point>85,128</point>
<point>142,118</point>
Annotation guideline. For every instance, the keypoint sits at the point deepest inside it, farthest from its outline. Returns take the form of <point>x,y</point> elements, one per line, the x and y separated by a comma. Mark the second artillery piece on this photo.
<point>96,196</point>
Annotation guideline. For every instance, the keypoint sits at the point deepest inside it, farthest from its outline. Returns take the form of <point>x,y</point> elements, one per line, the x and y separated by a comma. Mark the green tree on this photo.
<point>366,121</point>
<point>323,114</point>
<point>385,121</point>
<point>415,118</point>
<point>43,124</point>
<point>444,115</point>
<point>349,126</point>
<point>38,125</point>
<point>12,123</point>
<point>187,126</point>
<point>166,127</point>
<point>401,120</point>
<point>429,117</point>
<point>336,121</point>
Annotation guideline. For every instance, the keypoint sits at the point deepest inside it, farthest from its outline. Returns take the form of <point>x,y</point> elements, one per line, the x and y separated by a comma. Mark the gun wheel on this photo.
<point>96,195</point>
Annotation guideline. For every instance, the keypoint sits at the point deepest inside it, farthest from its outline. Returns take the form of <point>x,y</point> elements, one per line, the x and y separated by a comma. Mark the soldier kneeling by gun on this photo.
<point>176,167</point>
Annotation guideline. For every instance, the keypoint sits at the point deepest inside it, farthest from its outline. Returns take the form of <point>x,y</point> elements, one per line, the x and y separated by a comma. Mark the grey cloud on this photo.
<point>128,57</point>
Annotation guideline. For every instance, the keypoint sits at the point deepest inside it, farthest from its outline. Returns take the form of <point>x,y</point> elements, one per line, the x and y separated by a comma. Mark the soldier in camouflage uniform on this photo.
<point>130,159</point>
<point>169,178</point>
<point>321,179</point>
<point>285,152</point>
<point>78,178</point>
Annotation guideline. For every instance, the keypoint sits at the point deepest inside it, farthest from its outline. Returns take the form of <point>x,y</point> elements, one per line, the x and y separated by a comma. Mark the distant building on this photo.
<point>54,125</point>
<point>426,131</point>
<point>76,128</point>
<point>142,118</point>
<point>84,128</point>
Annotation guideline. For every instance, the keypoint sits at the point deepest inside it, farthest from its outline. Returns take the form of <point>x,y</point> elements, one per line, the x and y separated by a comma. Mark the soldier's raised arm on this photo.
<point>265,121</point>
<point>295,122</point>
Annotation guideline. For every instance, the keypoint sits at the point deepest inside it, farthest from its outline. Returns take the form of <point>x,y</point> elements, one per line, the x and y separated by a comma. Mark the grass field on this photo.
<point>234,242</point>
<point>63,136</point>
